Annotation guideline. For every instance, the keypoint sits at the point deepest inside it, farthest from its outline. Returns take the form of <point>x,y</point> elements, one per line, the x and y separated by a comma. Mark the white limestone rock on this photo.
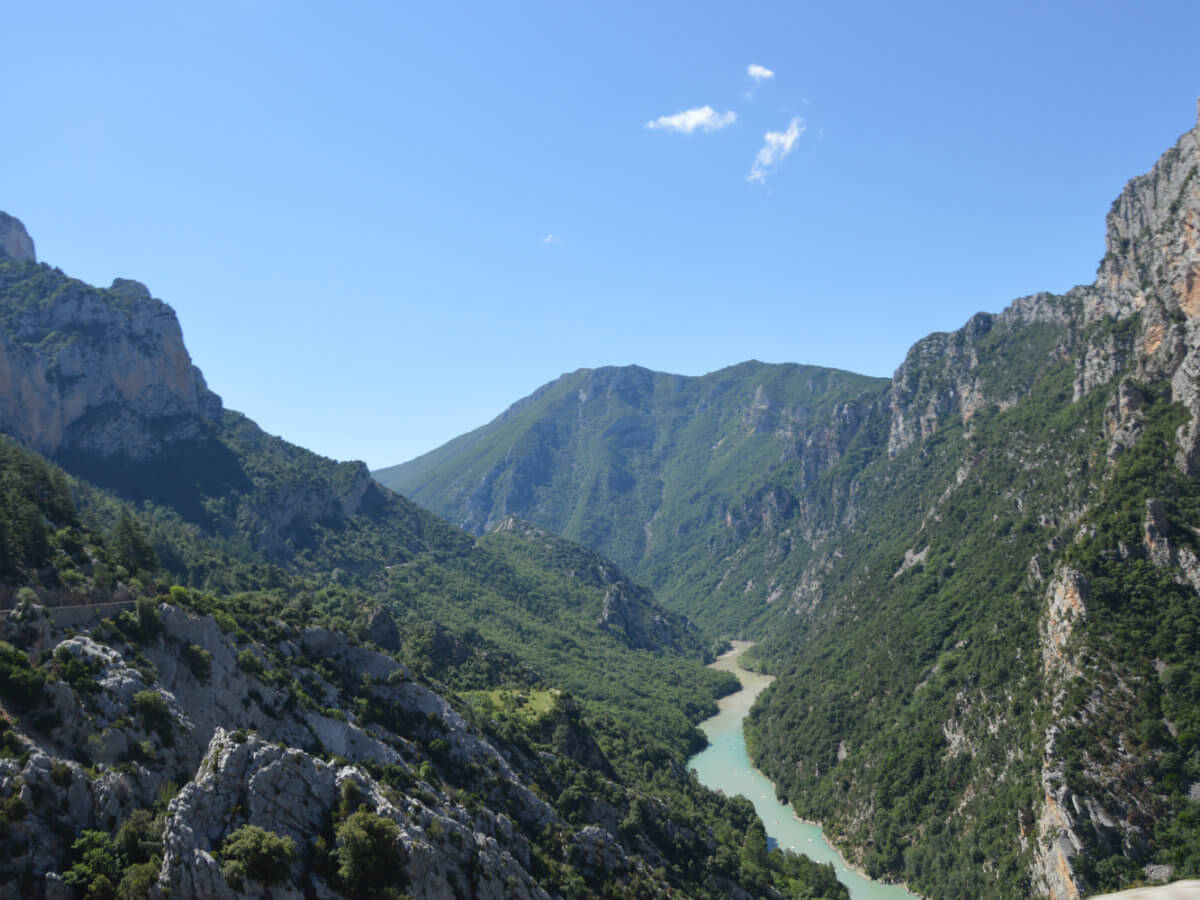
<point>15,242</point>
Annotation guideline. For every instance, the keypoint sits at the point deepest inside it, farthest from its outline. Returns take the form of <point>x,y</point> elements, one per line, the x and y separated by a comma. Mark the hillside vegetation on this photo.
<point>657,472</point>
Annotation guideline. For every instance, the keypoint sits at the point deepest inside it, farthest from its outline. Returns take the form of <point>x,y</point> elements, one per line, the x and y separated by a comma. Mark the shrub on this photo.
<point>255,853</point>
<point>19,681</point>
<point>97,869</point>
<point>11,745</point>
<point>138,880</point>
<point>199,661</point>
<point>139,839</point>
<point>366,854</point>
<point>153,709</point>
<point>147,616</point>
<point>60,773</point>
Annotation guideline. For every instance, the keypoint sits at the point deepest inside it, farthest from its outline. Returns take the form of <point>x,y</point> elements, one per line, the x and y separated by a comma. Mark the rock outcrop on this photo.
<point>93,371</point>
<point>259,759</point>
<point>441,850</point>
<point>955,374</point>
<point>15,242</point>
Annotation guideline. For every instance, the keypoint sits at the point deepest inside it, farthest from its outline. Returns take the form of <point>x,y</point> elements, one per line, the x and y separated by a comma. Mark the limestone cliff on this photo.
<point>85,370</point>
<point>15,242</point>
<point>99,380</point>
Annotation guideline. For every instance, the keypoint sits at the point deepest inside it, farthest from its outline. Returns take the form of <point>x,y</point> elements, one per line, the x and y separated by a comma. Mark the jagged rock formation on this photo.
<point>443,850</point>
<point>271,770</point>
<point>944,378</point>
<point>96,372</point>
<point>99,380</point>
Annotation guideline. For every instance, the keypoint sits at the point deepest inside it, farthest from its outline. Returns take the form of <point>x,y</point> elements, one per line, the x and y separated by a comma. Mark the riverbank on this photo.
<point>726,766</point>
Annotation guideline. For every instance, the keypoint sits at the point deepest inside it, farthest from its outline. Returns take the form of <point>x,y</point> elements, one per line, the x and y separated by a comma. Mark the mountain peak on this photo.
<point>15,242</point>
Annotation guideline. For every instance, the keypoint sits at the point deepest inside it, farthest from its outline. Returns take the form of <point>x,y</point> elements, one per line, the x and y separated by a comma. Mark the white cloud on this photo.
<point>759,73</point>
<point>703,117</point>
<point>776,145</point>
<point>549,239</point>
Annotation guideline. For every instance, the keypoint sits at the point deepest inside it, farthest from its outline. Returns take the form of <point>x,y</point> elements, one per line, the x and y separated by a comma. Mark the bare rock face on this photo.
<point>15,242</point>
<point>1151,268</point>
<point>101,372</point>
<point>442,850</point>
<point>949,375</point>
<point>256,760</point>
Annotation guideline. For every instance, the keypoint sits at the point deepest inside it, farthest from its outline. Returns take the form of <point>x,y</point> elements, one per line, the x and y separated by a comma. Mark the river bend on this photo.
<point>724,765</point>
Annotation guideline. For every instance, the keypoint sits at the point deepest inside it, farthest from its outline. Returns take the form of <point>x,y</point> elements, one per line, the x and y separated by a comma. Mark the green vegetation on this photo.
<point>123,866</point>
<point>20,682</point>
<point>37,514</point>
<point>934,720</point>
<point>651,470</point>
<point>198,660</point>
<point>367,847</point>
<point>1140,649</point>
<point>253,853</point>
<point>154,712</point>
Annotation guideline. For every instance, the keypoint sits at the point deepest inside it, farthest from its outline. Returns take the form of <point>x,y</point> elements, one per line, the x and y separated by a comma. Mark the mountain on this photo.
<point>661,473</point>
<point>230,667</point>
<point>977,582</point>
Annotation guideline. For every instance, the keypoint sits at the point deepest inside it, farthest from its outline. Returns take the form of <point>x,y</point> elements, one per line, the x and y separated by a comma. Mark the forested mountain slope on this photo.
<point>982,595</point>
<point>998,688</point>
<point>661,473</point>
<point>300,682</point>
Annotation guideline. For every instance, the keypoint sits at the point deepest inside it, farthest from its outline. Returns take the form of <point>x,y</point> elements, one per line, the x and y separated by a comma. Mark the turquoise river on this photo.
<point>724,766</point>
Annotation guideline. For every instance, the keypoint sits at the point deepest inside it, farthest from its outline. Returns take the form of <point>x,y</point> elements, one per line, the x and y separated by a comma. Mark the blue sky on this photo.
<point>382,224</point>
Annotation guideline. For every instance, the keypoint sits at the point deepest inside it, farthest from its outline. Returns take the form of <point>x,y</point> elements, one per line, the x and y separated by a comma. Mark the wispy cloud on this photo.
<point>704,118</point>
<point>759,73</point>
<point>776,145</point>
<point>549,239</point>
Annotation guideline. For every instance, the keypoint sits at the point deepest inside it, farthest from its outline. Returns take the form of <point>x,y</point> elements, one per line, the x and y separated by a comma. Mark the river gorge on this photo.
<point>724,765</point>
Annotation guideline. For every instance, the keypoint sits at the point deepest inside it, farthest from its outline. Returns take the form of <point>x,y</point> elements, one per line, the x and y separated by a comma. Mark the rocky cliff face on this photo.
<point>101,372</point>
<point>100,381</point>
<point>1128,345</point>
<point>952,376</point>
<point>15,242</point>
<point>136,714</point>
